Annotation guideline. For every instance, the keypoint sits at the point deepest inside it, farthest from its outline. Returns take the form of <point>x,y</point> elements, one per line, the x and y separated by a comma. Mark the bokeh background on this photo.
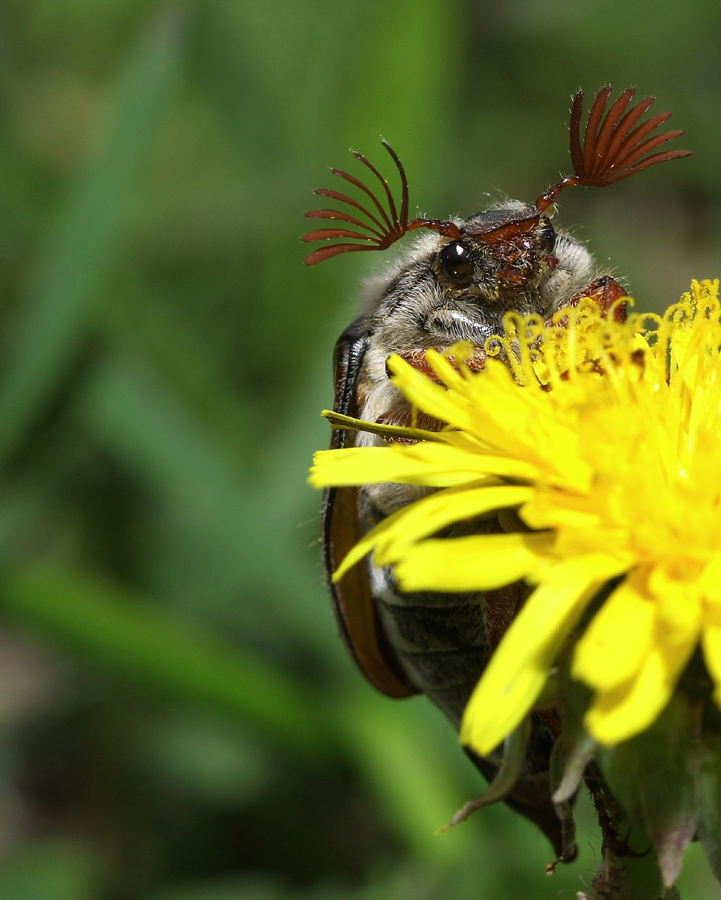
<point>178,718</point>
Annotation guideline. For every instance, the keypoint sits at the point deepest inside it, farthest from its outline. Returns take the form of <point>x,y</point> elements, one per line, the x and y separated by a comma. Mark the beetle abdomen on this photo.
<point>439,639</point>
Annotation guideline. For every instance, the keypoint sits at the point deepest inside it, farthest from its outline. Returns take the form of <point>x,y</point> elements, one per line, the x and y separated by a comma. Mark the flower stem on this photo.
<point>627,878</point>
<point>624,874</point>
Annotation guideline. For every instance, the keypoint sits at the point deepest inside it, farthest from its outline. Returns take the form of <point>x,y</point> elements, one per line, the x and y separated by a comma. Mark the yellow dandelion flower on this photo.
<point>601,441</point>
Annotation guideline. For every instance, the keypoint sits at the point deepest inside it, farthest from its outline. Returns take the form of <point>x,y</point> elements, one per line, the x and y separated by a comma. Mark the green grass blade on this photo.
<point>254,542</point>
<point>146,645</point>
<point>53,317</point>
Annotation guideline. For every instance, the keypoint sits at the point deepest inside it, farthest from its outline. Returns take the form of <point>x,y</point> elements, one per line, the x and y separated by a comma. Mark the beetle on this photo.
<point>454,283</point>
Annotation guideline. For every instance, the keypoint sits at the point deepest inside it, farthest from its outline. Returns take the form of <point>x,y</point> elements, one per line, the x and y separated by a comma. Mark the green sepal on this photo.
<point>563,808</point>
<point>509,771</point>
<point>575,748</point>
<point>709,801</point>
<point>619,765</point>
<point>654,776</point>
<point>338,420</point>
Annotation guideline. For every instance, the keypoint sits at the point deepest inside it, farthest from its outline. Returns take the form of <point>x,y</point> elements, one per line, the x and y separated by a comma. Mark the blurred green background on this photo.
<point>178,718</point>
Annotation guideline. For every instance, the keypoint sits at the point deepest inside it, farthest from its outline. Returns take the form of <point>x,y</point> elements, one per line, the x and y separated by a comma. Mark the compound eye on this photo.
<point>456,263</point>
<point>547,236</point>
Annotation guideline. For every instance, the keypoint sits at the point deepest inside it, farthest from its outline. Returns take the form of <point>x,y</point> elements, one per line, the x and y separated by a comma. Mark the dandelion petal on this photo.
<point>480,562</point>
<point>519,667</point>
<point>625,711</point>
<point>615,645</point>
